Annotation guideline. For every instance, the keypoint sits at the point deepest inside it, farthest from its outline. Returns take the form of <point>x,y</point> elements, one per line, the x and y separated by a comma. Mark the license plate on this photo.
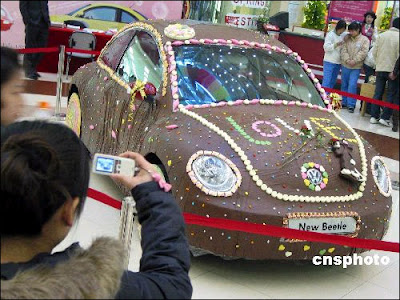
<point>341,223</point>
<point>344,225</point>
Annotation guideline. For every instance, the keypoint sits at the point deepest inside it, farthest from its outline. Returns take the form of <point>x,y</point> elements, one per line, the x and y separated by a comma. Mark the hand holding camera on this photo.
<point>144,175</point>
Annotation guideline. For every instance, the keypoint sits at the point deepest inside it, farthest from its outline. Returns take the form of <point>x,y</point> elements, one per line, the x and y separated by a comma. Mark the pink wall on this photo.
<point>15,37</point>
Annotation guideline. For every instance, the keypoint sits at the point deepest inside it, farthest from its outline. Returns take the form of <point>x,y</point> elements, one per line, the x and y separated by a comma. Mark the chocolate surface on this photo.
<point>275,152</point>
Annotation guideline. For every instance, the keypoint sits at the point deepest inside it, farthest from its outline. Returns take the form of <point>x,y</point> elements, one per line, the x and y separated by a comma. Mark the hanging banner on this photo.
<point>241,21</point>
<point>251,4</point>
<point>349,10</point>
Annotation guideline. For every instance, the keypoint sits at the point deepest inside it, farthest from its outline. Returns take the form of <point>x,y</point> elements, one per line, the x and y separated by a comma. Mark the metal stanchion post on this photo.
<point>61,56</point>
<point>127,225</point>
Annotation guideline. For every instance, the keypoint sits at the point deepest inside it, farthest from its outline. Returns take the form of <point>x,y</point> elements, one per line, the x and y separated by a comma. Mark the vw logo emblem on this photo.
<point>314,176</point>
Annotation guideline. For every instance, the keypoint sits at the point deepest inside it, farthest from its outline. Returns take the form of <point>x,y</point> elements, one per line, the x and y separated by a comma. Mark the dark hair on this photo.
<point>42,166</point>
<point>372,14</point>
<point>355,26</point>
<point>341,24</point>
<point>395,23</point>
<point>9,63</point>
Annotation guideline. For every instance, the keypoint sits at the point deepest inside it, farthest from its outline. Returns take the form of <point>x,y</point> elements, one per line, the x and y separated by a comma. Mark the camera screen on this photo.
<point>105,164</point>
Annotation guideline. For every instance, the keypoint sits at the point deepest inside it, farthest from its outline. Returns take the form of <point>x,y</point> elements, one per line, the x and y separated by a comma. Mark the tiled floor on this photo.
<point>213,277</point>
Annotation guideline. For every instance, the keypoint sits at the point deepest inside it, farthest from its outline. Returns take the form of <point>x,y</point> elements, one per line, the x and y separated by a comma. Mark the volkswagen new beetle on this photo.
<point>241,128</point>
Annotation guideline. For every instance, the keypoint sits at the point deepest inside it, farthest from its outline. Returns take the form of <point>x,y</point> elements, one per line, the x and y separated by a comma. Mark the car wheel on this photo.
<point>74,114</point>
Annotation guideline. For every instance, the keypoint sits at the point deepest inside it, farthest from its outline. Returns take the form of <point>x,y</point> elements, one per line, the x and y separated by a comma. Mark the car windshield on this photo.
<point>212,73</point>
<point>76,10</point>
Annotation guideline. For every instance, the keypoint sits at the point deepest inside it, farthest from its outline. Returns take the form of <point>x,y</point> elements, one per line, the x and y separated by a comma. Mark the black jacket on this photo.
<point>165,261</point>
<point>396,67</point>
<point>35,13</point>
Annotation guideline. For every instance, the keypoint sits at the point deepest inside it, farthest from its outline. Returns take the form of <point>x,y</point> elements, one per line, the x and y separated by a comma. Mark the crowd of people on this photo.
<point>358,49</point>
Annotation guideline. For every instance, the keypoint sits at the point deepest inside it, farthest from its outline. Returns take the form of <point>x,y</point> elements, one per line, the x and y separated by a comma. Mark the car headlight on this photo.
<point>381,176</point>
<point>213,173</point>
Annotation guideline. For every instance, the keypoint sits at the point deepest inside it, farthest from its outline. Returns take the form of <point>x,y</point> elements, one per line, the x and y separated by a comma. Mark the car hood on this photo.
<point>268,146</point>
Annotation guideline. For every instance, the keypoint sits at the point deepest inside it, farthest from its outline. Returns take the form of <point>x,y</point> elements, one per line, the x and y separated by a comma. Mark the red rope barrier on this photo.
<point>82,51</point>
<point>268,230</point>
<point>38,50</point>
<point>363,98</point>
<point>101,197</point>
<point>55,49</point>
<point>276,231</point>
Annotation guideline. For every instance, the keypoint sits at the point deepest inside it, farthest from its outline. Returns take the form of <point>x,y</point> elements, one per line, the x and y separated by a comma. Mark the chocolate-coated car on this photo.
<point>241,128</point>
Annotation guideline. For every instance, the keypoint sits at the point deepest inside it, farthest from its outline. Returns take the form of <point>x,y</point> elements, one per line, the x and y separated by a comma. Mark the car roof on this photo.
<point>208,30</point>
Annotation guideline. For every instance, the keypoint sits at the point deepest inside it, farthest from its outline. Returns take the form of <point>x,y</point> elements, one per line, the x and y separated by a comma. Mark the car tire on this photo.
<point>74,114</point>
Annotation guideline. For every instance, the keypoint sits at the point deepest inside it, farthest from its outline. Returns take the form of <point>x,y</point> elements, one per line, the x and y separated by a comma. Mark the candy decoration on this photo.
<point>171,127</point>
<point>277,133</point>
<point>139,86</point>
<point>342,150</point>
<point>315,175</point>
<point>179,32</point>
<point>335,101</point>
<point>249,167</point>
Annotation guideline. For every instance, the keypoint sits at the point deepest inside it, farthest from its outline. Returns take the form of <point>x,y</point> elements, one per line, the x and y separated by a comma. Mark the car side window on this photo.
<point>127,17</point>
<point>101,13</point>
<point>112,54</point>
<point>141,61</point>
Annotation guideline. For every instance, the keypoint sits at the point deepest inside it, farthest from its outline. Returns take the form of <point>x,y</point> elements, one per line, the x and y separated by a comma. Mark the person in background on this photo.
<point>35,15</point>
<point>369,70</point>
<point>393,75</point>
<point>45,170</point>
<point>371,32</point>
<point>12,86</point>
<point>386,52</point>
<point>332,45</point>
<point>369,65</point>
<point>352,56</point>
<point>368,28</point>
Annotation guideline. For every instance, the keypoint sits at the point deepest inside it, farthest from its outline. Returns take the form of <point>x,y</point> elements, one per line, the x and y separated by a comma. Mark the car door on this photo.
<point>125,17</point>
<point>100,17</point>
<point>133,115</point>
<point>101,95</point>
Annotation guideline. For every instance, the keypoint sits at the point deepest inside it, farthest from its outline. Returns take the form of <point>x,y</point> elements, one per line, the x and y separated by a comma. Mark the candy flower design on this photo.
<point>277,132</point>
<point>314,175</point>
